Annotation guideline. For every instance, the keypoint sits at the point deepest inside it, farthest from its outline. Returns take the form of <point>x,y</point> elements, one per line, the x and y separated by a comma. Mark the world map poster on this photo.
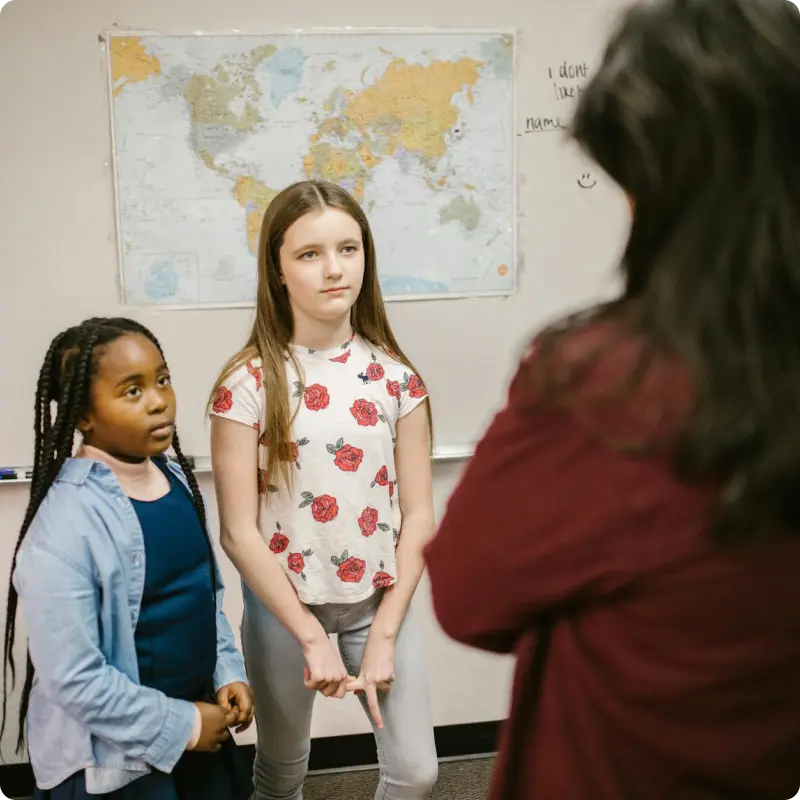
<point>418,126</point>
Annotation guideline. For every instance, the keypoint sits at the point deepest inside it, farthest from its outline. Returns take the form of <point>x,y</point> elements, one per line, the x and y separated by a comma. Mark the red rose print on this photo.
<point>416,388</point>
<point>348,458</point>
<point>393,389</point>
<point>316,397</point>
<point>382,478</point>
<point>381,579</point>
<point>257,426</point>
<point>342,359</point>
<point>375,372</point>
<point>292,455</point>
<point>297,562</point>
<point>351,570</point>
<point>368,521</point>
<point>391,489</point>
<point>365,413</point>
<point>256,373</point>
<point>279,542</point>
<point>323,508</point>
<point>223,401</point>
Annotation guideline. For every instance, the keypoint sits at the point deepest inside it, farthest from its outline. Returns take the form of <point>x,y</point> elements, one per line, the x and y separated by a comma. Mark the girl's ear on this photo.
<point>85,424</point>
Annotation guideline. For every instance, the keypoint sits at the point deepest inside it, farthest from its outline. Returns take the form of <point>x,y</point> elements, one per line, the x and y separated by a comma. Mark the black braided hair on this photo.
<point>65,379</point>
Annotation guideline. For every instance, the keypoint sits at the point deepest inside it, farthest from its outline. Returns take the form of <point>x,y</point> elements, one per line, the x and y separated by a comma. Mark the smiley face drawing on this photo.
<point>586,181</point>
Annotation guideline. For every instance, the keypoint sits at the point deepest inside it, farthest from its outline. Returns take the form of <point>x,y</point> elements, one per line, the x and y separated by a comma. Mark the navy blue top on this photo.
<point>176,636</point>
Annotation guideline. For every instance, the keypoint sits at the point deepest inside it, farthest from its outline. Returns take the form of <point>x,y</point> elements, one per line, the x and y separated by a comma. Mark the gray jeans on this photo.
<point>283,705</point>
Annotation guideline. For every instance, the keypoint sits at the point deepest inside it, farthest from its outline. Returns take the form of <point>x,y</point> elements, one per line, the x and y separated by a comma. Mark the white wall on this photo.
<point>466,686</point>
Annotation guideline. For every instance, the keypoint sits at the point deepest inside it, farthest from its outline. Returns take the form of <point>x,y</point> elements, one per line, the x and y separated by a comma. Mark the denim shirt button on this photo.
<point>137,560</point>
<point>121,501</point>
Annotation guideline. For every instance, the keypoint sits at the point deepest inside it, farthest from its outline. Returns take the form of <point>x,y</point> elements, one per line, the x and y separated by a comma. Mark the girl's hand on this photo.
<point>377,673</point>
<point>214,724</point>
<point>237,697</point>
<point>325,671</point>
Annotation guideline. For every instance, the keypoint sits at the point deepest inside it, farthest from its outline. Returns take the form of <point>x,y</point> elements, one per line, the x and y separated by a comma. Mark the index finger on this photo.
<point>244,700</point>
<point>224,698</point>
<point>372,704</point>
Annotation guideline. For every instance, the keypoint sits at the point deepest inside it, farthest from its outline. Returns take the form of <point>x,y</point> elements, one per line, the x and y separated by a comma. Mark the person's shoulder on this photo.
<point>248,374</point>
<point>611,375</point>
<point>71,513</point>
<point>390,362</point>
<point>240,394</point>
<point>399,377</point>
<point>385,355</point>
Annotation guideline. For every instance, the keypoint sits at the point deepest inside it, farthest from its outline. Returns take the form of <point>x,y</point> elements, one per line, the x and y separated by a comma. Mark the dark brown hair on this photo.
<point>694,112</point>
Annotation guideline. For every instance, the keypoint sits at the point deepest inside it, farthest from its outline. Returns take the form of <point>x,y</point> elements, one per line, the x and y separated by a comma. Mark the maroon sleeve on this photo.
<point>537,524</point>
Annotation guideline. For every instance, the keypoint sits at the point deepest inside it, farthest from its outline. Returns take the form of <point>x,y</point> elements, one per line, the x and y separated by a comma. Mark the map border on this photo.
<point>509,31</point>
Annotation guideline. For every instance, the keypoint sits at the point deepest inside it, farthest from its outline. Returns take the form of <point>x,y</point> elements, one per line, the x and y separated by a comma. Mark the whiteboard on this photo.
<point>59,235</point>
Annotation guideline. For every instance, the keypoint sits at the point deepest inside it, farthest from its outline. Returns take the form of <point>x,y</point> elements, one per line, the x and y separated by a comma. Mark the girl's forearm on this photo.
<point>416,533</point>
<point>262,573</point>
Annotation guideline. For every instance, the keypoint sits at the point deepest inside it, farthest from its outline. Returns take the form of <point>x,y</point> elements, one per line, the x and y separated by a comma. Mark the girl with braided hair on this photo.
<point>133,679</point>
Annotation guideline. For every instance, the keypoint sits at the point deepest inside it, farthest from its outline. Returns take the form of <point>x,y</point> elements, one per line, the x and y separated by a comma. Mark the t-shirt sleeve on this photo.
<point>406,386</point>
<point>241,397</point>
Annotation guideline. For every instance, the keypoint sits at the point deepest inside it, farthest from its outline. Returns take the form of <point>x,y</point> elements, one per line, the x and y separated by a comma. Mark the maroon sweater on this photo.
<point>672,669</point>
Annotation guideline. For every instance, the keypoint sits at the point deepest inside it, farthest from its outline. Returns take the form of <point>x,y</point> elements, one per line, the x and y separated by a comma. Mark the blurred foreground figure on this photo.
<point>630,524</point>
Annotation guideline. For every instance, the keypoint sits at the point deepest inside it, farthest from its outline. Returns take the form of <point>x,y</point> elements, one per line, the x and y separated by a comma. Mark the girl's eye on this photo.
<point>164,380</point>
<point>134,391</point>
<point>308,256</point>
<point>350,248</point>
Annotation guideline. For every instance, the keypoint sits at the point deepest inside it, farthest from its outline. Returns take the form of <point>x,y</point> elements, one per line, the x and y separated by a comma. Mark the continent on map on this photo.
<point>130,62</point>
<point>286,70</point>
<point>463,210</point>
<point>337,165</point>
<point>223,107</point>
<point>407,111</point>
<point>254,196</point>
<point>229,95</point>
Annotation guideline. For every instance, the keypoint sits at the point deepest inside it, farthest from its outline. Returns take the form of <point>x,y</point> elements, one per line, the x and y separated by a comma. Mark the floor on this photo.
<point>458,780</point>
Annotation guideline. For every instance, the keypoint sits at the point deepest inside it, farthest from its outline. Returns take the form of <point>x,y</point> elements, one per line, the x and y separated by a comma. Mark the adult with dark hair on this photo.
<point>630,524</point>
<point>133,678</point>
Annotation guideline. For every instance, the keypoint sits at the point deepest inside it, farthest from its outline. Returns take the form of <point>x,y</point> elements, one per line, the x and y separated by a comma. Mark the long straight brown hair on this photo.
<point>274,324</point>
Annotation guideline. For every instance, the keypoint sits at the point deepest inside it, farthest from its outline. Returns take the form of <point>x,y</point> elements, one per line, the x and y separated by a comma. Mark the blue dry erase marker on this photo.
<point>7,474</point>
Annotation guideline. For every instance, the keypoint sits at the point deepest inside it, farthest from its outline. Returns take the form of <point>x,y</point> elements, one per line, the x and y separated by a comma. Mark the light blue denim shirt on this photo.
<point>80,577</point>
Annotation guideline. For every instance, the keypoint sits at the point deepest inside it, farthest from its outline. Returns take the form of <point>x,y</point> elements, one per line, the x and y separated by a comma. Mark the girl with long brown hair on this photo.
<point>320,442</point>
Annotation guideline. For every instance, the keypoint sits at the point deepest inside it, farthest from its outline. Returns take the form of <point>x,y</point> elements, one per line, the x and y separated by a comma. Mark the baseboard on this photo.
<point>333,752</point>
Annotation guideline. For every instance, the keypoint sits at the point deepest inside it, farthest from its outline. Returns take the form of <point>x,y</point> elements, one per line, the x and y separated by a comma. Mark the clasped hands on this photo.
<point>325,672</point>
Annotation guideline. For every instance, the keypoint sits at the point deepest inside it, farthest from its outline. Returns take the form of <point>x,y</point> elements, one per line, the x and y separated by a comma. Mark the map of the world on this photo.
<point>417,126</point>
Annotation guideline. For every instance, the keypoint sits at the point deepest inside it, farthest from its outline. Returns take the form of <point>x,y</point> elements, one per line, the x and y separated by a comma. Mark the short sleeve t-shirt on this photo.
<point>336,531</point>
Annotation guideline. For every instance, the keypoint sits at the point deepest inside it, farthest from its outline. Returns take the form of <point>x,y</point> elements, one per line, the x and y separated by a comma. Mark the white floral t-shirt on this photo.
<point>335,533</point>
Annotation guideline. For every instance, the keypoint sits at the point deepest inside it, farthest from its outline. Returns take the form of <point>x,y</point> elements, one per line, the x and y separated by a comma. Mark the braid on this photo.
<point>65,377</point>
<point>42,427</point>
<point>199,508</point>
